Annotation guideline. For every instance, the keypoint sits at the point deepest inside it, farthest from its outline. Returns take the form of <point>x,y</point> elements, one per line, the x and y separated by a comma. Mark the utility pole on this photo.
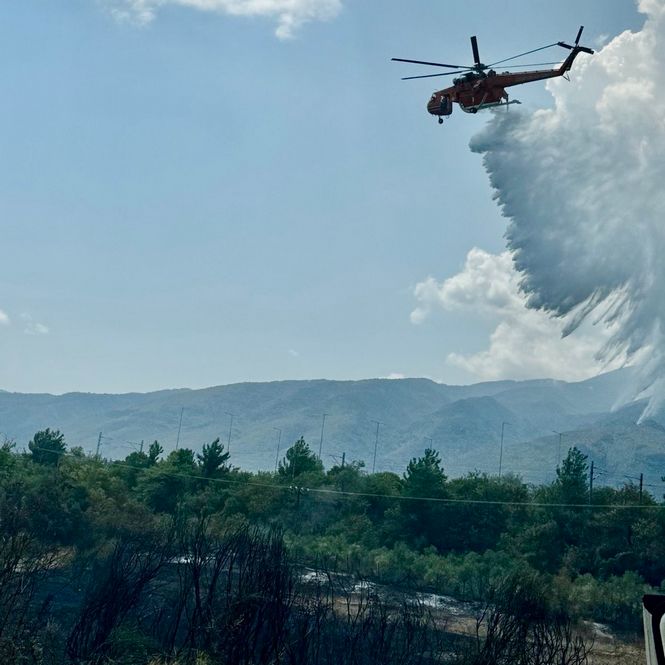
<point>99,445</point>
<point>558,454</point>
<point>177,441</point>
<point>279,443</point>
<point>376,443</point>
<point>228,440</point>
<point>323,424</point>
<point>503,427</point>
<point>591,483</point>
<point>135,445</point>
<point>343,459</point>
<point>641,486</point>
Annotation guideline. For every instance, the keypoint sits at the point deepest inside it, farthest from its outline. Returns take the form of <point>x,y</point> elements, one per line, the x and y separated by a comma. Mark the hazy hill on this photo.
<point>463,422</point>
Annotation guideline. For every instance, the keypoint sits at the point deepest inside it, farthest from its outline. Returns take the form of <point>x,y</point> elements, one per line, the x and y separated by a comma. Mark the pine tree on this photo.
<point>212,459</point>
<point>572,478</point>
<point>47,447</point>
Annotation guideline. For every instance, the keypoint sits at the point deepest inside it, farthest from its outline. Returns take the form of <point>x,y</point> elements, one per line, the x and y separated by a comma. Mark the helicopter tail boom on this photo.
<point>568,62</point>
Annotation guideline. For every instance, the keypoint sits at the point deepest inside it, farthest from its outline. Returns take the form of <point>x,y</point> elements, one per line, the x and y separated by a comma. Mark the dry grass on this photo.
<point>617,653</point>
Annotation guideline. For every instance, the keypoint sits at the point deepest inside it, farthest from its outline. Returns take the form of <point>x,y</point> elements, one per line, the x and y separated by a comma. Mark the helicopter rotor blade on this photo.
<point>514,57</point>
<point>474,48</point>
<point>582,49</point>
<point>431,64</point>
<point>462,71</point>
<point>429,76</point>
<point>579,34</point>
<point>577,46</point>
<point>535,64</point>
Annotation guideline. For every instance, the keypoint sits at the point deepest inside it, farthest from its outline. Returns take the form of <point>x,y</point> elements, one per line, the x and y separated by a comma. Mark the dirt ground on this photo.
<point>459,618</point>
<point>607,649</point>
<point>619,654</point>
<point>614,651</point>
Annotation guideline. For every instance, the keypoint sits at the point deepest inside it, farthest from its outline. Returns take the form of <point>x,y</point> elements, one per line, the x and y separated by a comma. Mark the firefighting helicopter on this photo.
<point>481,87</point>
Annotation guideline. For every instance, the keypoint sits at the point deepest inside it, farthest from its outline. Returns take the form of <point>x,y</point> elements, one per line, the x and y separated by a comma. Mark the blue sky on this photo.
<point>196,201</point>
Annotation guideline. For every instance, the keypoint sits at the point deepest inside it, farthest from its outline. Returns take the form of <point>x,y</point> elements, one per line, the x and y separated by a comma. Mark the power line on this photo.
<point>396,497</point>
<point>399,468</point>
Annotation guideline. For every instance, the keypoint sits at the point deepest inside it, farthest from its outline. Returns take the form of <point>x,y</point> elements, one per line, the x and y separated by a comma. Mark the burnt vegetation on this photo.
<point>186,560</point>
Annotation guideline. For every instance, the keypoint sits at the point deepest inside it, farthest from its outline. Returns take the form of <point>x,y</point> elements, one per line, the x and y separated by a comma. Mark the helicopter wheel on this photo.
<point>440,120</point>
<point>473,110</point>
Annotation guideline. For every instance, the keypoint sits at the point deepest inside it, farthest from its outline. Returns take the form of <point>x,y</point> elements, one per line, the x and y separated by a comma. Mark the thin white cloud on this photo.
<point>526,343</point>
<point>32,327</point>
<point>290,15</point>
<point>293,353</point>
<point>4,319</point>
<point>36,329</point>
<point>601,40</point>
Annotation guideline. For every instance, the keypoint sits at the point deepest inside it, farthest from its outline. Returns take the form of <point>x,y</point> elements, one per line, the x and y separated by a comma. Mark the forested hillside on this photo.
<point>464,423</point>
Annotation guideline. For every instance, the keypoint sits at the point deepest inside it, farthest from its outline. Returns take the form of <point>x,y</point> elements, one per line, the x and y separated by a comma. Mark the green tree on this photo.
<point>132,467</point>
<point>299,459</point>
<point>7,459</point>
<point>47,446</point>
<point>424,476</point>
<point>380,507</point>
<point>154,452</point>
<point>136,460</point>
<point>181,460</point>
<point>348,477</point>
<point>485,522</point>
<point>212,459</point>
<point>541,543</point>
<point>424,522</point>
<point>169,482</point>
<point>572,478</point>
<point>571,543</point>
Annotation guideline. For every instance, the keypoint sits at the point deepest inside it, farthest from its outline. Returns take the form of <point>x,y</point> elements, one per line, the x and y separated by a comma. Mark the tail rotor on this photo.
<point>577,47</point>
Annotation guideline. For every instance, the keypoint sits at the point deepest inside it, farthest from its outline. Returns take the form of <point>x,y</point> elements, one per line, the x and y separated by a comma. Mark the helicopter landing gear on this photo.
<point>440,120</point>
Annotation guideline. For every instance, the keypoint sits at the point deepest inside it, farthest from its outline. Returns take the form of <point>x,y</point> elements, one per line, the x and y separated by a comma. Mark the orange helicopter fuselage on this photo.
<point>477,90</point>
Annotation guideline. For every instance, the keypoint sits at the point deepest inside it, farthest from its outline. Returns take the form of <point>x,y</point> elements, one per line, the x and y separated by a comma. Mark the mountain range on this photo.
<point>540,420</point>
